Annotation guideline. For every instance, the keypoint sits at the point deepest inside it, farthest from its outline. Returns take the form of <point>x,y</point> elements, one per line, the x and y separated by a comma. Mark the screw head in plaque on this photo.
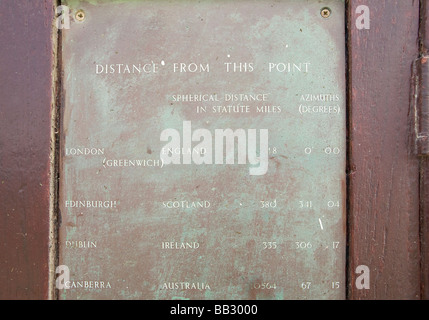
<point>325,12</point>
<point>80,15</point>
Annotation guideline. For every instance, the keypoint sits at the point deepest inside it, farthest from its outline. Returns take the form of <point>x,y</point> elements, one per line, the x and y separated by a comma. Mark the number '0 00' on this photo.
<point>330,150</point>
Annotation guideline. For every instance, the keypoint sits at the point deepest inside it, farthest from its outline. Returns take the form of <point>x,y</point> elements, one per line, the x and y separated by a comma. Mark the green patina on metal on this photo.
<point>278,234</point>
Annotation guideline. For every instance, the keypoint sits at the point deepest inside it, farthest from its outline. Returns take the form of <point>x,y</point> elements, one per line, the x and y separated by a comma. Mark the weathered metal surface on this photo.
<point>26,63</point>
<point>384,178</point>
<point>278,234</point>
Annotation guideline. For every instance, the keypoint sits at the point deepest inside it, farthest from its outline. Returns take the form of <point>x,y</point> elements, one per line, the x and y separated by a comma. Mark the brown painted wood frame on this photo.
<point>388,185</point>
<point>383,190</point>
<point>424,168</point>
<point>26,103</point>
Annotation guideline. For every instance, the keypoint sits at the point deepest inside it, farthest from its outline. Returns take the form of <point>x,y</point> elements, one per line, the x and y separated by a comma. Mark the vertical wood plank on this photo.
<point>26,62</point>
<point>424,196</point>
<point>424,25</point>
<point>384,172</point>
<point>424,168</point>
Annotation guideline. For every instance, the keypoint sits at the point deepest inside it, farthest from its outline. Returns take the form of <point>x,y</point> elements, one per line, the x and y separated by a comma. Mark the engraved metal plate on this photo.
<point>203,150</point>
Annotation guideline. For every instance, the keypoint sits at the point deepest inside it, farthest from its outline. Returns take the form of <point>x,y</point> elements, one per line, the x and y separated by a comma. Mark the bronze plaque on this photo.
<point>203,150</point>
